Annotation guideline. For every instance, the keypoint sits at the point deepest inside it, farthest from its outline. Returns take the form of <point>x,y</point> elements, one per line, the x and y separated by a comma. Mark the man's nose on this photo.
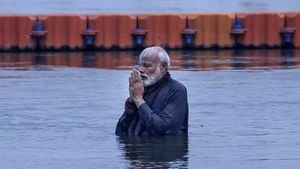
<point>140,69</point>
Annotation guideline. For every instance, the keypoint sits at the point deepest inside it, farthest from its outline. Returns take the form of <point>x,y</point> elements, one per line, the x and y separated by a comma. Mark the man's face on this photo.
<point>151,70</point>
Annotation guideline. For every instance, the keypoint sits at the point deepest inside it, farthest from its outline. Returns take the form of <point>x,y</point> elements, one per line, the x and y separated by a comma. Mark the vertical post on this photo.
<point>188,34</point>
<point>237,30</point>
<point>287,34</point>
<point>88,35</point>
<point>138,34</point>
<point>38,32</point>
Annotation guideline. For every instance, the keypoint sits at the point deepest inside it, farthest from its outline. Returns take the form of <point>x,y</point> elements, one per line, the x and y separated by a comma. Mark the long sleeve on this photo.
<point>171,117</point>
<point>126,119</point>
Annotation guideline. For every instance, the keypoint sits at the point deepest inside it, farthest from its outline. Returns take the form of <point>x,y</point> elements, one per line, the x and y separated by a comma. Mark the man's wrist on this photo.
<point>139,102</point>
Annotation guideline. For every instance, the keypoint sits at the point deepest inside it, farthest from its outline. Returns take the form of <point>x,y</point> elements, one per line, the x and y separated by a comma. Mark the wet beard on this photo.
<point>152,79</point>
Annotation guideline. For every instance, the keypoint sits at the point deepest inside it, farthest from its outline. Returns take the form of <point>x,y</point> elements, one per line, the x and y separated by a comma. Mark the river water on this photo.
<point>59,110</point>
<point>144,6</point>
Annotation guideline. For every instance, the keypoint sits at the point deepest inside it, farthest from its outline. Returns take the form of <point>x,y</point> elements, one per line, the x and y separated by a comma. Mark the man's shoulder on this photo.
<point>176,85</point>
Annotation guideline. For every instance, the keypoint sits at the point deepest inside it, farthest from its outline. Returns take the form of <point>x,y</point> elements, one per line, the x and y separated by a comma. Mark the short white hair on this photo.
<point>156,50</point>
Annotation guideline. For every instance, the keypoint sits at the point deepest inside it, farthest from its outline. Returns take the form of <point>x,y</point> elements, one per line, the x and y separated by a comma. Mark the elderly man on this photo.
<point>157,104</point>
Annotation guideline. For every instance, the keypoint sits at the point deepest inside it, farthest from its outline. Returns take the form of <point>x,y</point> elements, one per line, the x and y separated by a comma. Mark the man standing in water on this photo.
<point>157,104</point>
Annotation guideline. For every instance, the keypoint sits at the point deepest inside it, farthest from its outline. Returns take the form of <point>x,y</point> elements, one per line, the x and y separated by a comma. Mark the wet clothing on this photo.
<point>165,111</point>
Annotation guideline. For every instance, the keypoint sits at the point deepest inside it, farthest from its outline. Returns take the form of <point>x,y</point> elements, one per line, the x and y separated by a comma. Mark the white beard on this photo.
<point>152,79</point>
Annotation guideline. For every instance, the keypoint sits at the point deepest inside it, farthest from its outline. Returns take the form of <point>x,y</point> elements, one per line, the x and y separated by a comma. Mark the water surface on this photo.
<point>59,110</point>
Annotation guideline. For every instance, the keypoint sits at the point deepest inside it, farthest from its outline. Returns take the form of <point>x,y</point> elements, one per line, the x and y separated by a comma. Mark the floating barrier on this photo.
<point>125,32</point>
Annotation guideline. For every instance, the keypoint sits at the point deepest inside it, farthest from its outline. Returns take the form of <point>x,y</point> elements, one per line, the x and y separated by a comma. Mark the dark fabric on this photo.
<point>165,111</point>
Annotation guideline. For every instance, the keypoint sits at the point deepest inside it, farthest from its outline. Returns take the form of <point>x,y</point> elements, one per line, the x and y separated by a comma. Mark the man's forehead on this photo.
<point>150,58</point>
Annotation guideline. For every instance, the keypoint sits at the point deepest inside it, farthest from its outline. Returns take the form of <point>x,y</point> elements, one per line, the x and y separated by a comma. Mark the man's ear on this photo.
<point>164,66</point>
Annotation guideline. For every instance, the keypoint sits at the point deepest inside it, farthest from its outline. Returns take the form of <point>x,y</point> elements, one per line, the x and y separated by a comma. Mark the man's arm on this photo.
<point>136,91</point>
<point>171,118</point>
<point>125,120</point>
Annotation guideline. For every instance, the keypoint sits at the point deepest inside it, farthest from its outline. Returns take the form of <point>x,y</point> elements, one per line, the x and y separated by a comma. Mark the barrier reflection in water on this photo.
<point>238,61</point>
<point>89,59</point>
<point>157,152</point>
<point>287,58</point>
<point>189,59</point>
<point>180,60</point>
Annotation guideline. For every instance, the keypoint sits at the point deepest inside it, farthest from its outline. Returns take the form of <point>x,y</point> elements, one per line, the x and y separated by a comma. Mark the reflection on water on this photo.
<point>238,61</point>
<point>155,152</point>
<point>89,59</point>
<point>287,58</point>
<point>183,60</point>
<point>189,60</point>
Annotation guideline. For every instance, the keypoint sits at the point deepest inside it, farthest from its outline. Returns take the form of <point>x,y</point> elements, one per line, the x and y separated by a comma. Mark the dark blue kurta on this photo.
<point>165,111</point>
